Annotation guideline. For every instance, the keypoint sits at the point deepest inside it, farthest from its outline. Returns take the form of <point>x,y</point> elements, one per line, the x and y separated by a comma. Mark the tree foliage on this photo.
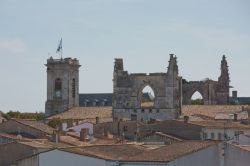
<point>197,102</point>
<point>16,114</point>
<point>55,122</point>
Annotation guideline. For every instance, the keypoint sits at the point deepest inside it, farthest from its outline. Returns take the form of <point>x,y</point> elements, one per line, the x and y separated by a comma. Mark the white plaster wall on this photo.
<point>240,140</point>
<point>229,132</point>
<point>64,126</point>
<point>83,125</point>
<point>60,158</point>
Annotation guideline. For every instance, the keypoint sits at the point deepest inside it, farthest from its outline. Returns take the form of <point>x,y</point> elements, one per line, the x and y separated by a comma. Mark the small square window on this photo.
<point>204,136</point>
<point>219,136</point>
<point>212,135</point>
<point>125,128</point>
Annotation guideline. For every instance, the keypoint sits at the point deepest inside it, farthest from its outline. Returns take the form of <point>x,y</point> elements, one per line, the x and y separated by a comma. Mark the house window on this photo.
<point>125,128</point>
<point>204,136</point>
<point>150,110</point>
<point>226,136</point>
<point>237,132</point>
<point>105,101</point>
<point>133,117</point>
<point>142,110</point>
<point>219,136</point>
<point>212,135</point>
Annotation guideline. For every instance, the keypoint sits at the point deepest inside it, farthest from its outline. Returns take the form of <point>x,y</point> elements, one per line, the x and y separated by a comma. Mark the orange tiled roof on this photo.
<point>209,111</point>
<point>136,153</point>
<point>36,124</point>
<point>87,114</point>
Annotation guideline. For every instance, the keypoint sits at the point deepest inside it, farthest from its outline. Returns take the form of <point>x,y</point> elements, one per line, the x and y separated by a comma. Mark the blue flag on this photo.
<point>59,48</point>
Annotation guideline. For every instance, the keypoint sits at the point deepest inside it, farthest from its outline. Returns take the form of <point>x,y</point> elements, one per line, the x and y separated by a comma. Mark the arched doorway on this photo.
<point>148,97</point>
<point>197,98</point>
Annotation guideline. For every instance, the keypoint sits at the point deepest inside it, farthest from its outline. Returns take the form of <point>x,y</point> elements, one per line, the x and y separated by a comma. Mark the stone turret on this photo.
<point>223,83</point>
<point>118,64</point>
<point>174,84</point>
<point>173,63</point>
<point>224,77</point>
<point>172,72</point>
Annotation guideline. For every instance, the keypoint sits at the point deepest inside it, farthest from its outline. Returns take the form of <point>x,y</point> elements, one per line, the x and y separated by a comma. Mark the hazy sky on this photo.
<point>143,32</point>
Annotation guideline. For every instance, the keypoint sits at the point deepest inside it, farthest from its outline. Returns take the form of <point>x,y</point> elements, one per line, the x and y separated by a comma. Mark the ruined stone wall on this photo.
<point>127,93</point>
<point>213,92</point>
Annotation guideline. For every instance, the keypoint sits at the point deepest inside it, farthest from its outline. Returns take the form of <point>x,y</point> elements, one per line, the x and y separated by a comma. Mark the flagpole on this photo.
<point>61,48</point>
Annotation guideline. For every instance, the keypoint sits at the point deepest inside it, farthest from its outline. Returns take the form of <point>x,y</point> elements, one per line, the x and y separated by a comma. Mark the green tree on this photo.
<point>55,122</point>
<point>197,102</point>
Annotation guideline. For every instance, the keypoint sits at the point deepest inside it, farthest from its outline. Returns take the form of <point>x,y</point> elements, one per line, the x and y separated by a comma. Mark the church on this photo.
<point>170,89</point>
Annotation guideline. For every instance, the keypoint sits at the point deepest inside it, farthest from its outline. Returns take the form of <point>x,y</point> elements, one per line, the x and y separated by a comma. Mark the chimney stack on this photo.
<point>69,123</point>
<point>56,136</point>
<point>235,117</point>
<point>97,120</point>
<point>84,134</point>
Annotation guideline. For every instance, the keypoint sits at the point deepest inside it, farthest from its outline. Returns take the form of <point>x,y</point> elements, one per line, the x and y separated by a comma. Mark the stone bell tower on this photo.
<point>62,85</point>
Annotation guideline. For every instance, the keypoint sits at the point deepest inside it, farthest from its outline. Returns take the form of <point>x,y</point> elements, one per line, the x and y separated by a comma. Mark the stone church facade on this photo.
<point>171,91</point>
<point>213,92</point>
<point>127,93</point>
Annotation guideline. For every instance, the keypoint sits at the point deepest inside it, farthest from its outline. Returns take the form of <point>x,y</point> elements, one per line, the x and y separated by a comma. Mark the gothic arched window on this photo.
<point>58,87</point>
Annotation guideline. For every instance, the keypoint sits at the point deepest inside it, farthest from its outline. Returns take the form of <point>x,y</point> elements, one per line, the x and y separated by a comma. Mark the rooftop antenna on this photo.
<point>59,48</point>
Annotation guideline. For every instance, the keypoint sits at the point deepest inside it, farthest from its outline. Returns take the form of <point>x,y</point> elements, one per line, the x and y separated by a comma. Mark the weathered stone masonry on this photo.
<point>213,92</point>
<point>127,93</point>
<point>62,85</point>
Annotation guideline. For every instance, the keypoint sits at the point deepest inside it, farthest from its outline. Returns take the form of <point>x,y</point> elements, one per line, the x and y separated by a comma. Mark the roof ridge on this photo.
<point>20,121</point>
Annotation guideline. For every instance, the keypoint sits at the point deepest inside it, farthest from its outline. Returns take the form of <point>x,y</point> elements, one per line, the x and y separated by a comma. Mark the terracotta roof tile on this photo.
<point>173,151</point>
<point>36,144</point>
<point>136,153</point>
<point>36,124</point>
<point>88,114</point>
<point>210,110</point>
<point>109,152</point>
